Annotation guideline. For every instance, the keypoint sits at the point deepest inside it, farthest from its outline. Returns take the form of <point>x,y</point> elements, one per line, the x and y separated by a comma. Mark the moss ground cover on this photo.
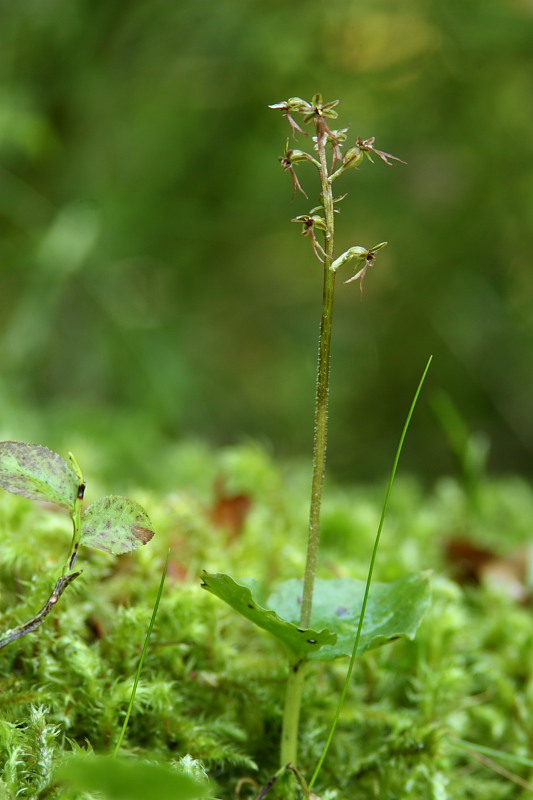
<point>213,692</point>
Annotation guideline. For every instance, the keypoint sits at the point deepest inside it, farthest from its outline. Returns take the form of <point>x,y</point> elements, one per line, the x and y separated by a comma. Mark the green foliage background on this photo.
<point>151,284</point>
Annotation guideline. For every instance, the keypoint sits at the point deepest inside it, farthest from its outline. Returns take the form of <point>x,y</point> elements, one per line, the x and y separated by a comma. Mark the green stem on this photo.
<point>295,683</point>
<point>67,576</point>
<point>322,385</point>
<point>76,518</point>
<point>76,533</point>
<point>291,713</point>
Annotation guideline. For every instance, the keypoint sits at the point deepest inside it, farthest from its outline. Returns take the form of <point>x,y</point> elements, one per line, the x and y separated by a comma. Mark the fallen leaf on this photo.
<point>229,511</point>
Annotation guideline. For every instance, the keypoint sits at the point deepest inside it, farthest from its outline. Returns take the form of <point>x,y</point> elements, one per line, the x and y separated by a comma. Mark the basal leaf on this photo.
<point>394,609</point>
<point>38,473</point>
<point>116,525</point>
<point>120,779</point>
<point>302,642</point>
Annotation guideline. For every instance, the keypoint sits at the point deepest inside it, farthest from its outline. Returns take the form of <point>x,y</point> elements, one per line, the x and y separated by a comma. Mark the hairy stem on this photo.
<point>322,384</point>
<point>295,683</point>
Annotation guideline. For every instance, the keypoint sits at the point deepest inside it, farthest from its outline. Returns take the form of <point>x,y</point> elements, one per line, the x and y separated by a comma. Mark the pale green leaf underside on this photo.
<point>394,610</point>
<point>300,641</point>
<point>116,525</point>
<point>38,473</point>
<point>120,779</point>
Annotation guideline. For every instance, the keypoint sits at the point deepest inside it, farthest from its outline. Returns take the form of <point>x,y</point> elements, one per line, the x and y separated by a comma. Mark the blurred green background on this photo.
<point>152,286</point>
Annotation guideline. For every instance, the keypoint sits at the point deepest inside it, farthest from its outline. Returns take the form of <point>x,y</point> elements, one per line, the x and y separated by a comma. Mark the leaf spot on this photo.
<point>142,534</point>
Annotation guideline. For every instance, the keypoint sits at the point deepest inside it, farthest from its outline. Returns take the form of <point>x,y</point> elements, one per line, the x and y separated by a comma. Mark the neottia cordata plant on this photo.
<point>113,524</point>
<point>322,619</point>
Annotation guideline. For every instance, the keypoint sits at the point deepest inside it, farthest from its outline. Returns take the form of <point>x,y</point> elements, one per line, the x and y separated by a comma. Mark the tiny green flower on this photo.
<point>367,146</point>
<point>309,223</point>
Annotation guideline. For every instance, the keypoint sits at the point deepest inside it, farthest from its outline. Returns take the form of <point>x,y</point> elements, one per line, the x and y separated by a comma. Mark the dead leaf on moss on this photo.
<point>229,511</point>
<point>471,563</point>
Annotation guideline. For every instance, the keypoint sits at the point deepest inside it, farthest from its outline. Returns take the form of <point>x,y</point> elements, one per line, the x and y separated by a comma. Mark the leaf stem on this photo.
<point>76,532</point>
<point>27,627</point>
<point>75,515</point>
<point>67,576</point>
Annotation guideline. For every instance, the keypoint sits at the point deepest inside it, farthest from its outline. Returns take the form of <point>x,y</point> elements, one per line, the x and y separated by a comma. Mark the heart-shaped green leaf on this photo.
<point>302,642</point>
<point>120,779</point>
<point>394,609</point>
<point>116,525</point>
<point>38,473</point>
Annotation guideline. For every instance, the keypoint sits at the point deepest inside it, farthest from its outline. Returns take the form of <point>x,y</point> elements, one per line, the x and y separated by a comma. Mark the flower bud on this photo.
<point>353,157</point>
<point>297,104</point>
<point>297,155</point>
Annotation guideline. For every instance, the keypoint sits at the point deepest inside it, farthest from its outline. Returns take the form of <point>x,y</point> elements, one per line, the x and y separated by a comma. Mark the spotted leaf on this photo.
<point>38,473</point>
<point>116,525</point>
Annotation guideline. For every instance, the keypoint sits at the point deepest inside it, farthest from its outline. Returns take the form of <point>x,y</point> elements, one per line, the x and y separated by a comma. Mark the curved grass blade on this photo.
<point>490,751</point>
<point>143,654</point>
<point>369,577</point>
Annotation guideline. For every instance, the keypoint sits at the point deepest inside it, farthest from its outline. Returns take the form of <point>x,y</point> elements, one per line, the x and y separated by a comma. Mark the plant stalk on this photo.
<point>13,634</point>
<point>67,576</point>
<point>76,517</point>
<point>295,683</point>
<point>322,384</point>
<point>291,713</point>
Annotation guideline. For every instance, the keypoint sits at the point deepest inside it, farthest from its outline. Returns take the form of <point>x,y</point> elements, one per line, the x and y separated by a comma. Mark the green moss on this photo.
<point>212,686</point>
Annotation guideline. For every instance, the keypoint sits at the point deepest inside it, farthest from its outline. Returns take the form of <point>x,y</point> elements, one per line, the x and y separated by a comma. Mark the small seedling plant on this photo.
<point>322,619</point>
<point>114,524</point>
